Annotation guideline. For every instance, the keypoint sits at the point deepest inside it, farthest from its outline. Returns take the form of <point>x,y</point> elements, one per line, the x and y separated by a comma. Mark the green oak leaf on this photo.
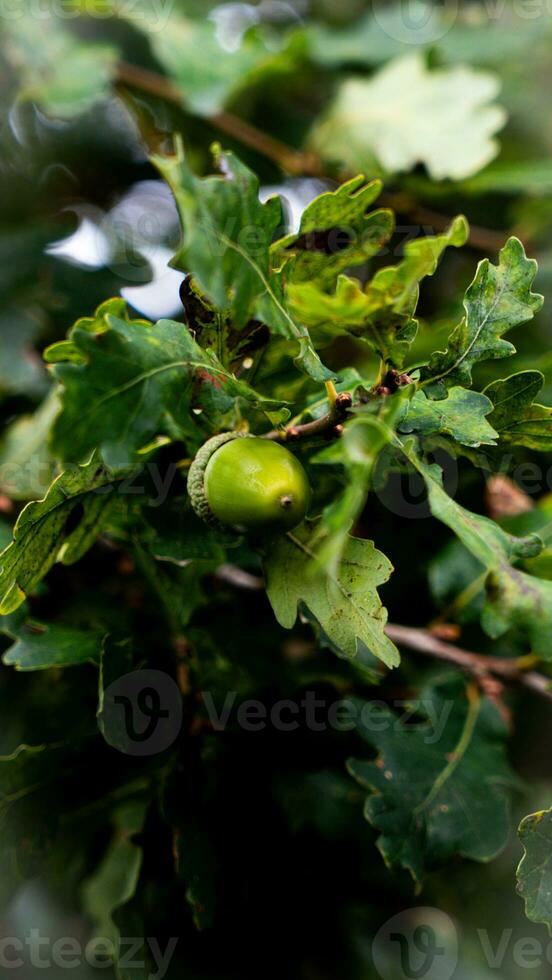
<point>206,72</point>
<point>226,246</point>
<point>124,382</point>
<point>227,232</point>
<point>531,177</point>
<point>364,438</point>
<point>515,417</point>
<point>534,873</point>
<point>114,882</point>
<point>407,114</point>
<point>336,231</point>
<point>440,787</point>
<point>493,37</point>
<point>381,313</point>
<point>196,865</point>
<point>39,646</point>
<point>26,465</point>
<point>346,605</point>
<point>21,370</point>
<point>33,780</point>
<point>462,415</point>
<point>61,527</point>
<point>513,598</point>
<point>64,74</point>
<point>498,299</point>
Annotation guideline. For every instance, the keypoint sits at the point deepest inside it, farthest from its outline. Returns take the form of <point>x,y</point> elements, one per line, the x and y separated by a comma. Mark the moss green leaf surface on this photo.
<point>499,299</point>
<point>346,605</point>
<point>462,415</point>
<point>516,417</point>
<point>535,869</point>
<point>438,787</point>
<point>381,313</point>
<point>514,598</point>
<point>226,245</point>
<point>126,381</point>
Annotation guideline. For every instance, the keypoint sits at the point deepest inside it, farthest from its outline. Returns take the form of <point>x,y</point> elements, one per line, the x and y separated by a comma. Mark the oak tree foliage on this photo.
<point>436,340</point>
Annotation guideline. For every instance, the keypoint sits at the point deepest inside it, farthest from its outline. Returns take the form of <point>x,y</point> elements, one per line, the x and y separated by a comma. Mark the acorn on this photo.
<point>248,484</point>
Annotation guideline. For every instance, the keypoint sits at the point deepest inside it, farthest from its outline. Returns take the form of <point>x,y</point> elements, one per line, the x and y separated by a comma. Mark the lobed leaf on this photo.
<point>381,313</point>
<point>462,415</point>
<point>438,787</point>
<point>336,231</point>
<point>534,873</point>
<point>498,299</point>
<point>60,527</point>
<point>407,114</point>
<point>514,598</point>
<point>226,246</point>
<point>38,646</point>
<point>345,605</point>
<point>124,382</point>
<point>515,416</point>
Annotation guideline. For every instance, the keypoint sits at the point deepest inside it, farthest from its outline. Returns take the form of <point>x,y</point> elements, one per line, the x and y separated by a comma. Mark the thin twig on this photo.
<point>479,665</point>
<point>329,424</point>
<point>485,669</point>
<point>290,160</point>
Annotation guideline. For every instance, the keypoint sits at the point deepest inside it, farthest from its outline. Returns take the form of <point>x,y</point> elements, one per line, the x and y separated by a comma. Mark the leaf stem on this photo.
<point>328,424</point>
<point>458,753</point>
<point>462,600</point>
<point>331,392</point>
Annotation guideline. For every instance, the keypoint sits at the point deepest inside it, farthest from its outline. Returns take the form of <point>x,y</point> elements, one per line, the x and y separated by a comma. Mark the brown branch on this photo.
<point>489,671</point>
<point>290,160</point>
<point>293,161</point>
<point>479,665</point>
<point>329,424</point>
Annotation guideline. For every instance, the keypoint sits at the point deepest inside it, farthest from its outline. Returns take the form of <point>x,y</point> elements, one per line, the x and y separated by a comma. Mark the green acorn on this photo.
<point>249,484</point>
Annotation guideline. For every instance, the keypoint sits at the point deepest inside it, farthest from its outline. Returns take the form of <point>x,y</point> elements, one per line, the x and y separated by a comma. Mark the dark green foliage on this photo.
<point>301,736</point>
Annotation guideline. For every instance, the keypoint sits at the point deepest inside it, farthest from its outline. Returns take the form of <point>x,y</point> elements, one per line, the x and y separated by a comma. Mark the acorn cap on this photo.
<point>196,475</point>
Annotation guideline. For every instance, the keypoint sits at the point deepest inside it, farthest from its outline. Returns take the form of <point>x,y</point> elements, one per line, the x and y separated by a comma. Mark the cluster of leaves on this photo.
<point>275,320</point>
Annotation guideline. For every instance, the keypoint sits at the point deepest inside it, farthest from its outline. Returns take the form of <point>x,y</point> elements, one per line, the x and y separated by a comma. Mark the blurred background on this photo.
<point>454,104</point>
